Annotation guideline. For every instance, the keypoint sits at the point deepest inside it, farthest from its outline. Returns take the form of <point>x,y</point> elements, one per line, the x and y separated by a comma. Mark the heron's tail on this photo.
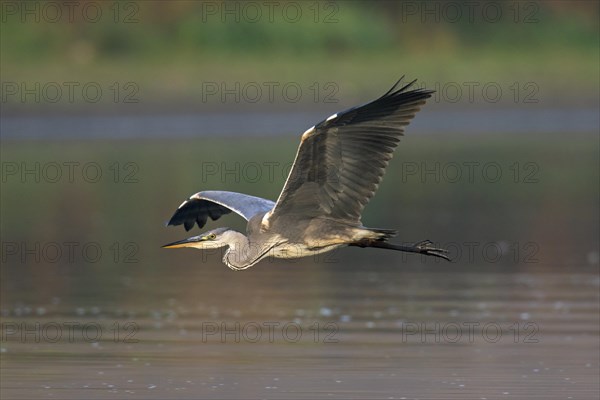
<point>383,234</point>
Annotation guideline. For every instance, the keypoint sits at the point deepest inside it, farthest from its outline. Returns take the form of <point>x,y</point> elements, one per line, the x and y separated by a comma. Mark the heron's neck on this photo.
<point>239,255</point>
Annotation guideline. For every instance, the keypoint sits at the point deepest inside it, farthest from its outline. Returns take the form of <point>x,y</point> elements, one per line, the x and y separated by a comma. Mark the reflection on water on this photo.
<point>312,332</point>
<point>93,308</point>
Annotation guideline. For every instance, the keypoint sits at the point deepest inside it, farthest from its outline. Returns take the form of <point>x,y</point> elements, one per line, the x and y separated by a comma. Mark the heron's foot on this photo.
<point>426,247</point>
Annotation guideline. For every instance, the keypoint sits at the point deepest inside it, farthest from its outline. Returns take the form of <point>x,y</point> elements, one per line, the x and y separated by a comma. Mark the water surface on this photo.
<point>93,308</point>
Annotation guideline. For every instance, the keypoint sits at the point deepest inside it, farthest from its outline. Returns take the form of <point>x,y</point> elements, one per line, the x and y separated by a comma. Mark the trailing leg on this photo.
<point>424,247</point>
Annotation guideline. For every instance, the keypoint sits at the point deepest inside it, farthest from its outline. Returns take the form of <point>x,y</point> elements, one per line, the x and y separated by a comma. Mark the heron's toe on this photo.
<point>440,254</point>
<point>426,247</point>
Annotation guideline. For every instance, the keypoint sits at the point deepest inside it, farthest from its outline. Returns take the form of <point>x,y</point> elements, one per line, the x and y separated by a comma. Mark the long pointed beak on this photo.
<point>183,243</point>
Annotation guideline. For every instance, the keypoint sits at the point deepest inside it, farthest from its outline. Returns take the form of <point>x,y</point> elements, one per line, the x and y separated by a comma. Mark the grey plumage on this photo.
<point>338,167</point>
<point>214,204</point>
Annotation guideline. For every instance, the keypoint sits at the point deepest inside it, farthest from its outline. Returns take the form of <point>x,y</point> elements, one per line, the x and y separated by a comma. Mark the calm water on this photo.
<point>305,331</point>
<point>93,308</point>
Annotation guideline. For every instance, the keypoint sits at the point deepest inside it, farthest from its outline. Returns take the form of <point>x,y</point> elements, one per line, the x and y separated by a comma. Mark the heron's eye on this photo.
<point>212,236</point>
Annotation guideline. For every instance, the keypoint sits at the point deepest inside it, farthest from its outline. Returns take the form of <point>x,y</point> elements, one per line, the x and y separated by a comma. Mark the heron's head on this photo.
<point>213,239</point>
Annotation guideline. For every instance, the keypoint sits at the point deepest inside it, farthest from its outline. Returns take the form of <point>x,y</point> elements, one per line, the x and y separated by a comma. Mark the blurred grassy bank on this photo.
<point>169,49</point>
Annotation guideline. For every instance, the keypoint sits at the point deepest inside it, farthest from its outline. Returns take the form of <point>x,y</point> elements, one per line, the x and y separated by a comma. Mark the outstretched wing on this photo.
<point>213,204</point>
<point>341,161</point>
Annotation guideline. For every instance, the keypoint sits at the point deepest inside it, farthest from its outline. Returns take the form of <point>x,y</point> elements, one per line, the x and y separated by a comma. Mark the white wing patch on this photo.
<point>264,224</point>
<point>332,117</point>
<point>308,133</point>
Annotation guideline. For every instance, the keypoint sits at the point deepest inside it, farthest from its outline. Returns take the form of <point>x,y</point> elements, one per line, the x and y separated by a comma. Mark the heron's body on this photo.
<point>338,167</point>
<point>253,250</point>
<point>260,241</point>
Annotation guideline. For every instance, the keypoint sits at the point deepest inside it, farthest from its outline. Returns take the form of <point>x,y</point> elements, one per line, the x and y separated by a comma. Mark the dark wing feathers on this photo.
<point>339,164</point>
<point>214,204</point>
<point>197,211</point>
<point>341,161</point>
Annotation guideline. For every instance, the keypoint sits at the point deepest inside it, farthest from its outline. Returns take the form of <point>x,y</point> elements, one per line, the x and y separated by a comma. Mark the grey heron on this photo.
<point>338,167</point>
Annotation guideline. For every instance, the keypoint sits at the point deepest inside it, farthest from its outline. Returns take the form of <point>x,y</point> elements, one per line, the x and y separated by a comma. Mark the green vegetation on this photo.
<point>153,30</point>
<point>169,48</point>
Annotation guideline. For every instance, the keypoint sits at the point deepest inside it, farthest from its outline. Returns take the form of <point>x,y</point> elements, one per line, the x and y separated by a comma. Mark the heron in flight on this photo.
<point>338,167</point>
